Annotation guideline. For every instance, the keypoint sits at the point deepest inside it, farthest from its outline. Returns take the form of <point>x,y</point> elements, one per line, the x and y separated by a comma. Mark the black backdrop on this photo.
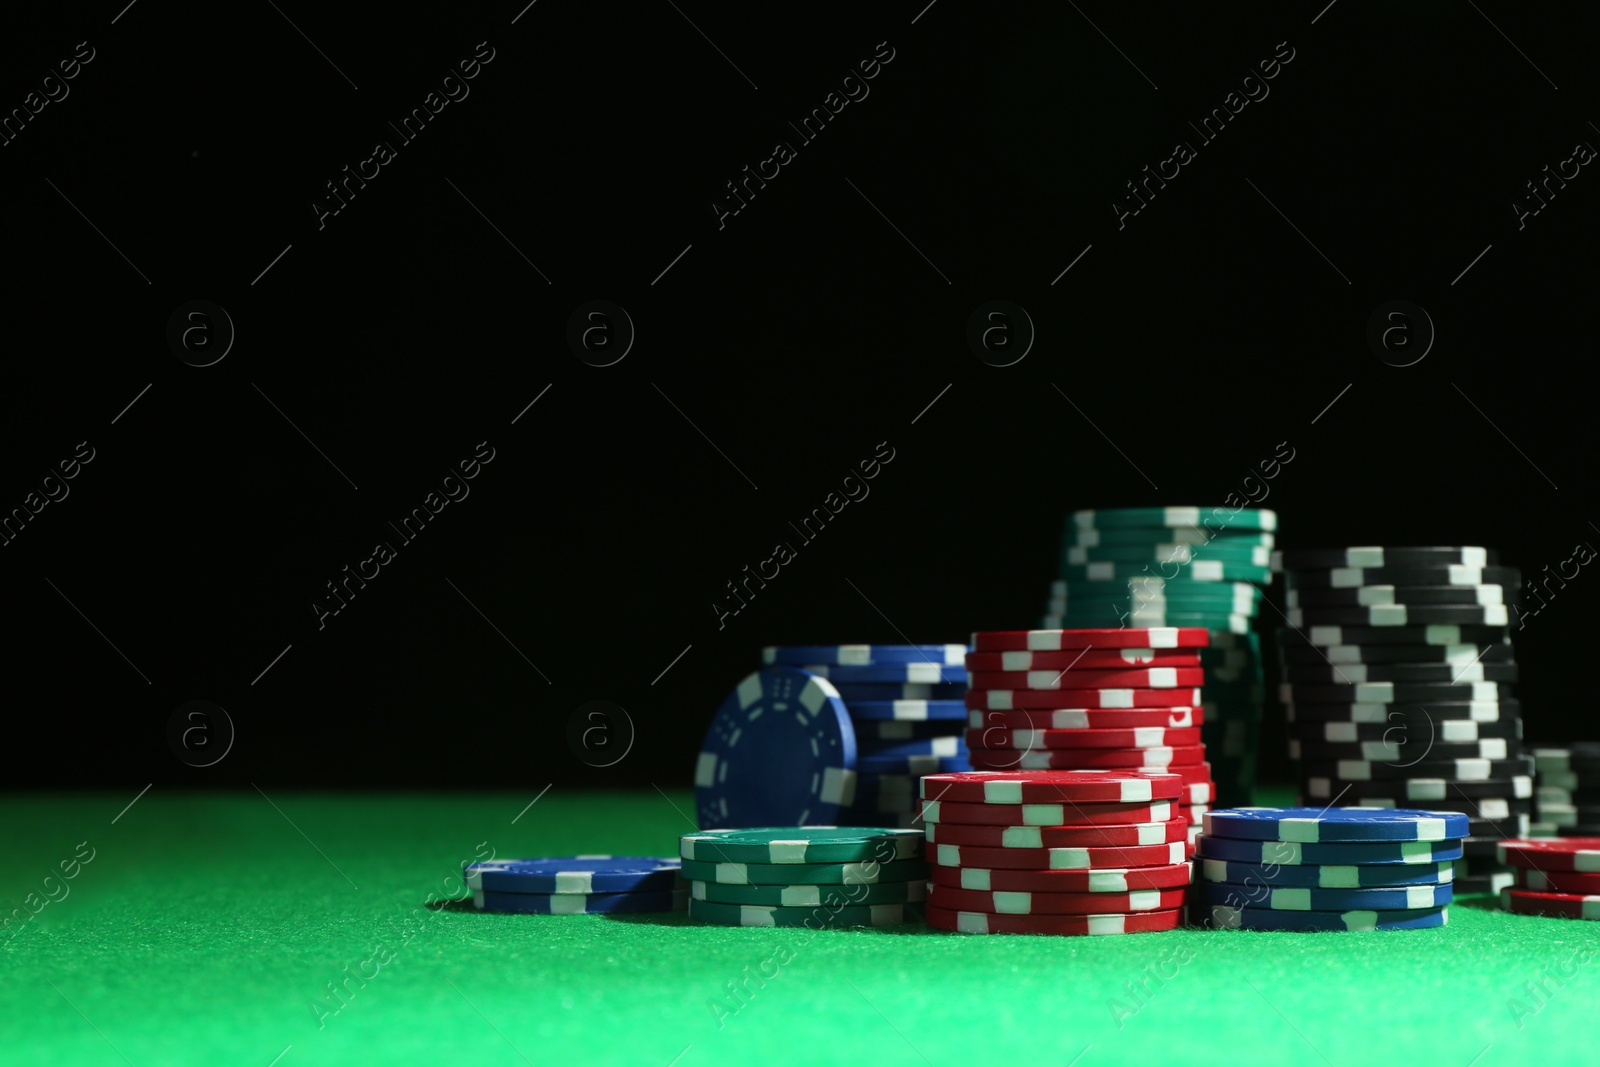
<point>775,348</point>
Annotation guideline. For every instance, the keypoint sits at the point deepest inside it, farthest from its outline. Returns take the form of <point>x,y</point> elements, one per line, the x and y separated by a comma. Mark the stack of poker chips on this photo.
<point>1395,665</point>
<point>904,704</point>
<point>1181,567</point>
<point>1566,789</point>
<point>811,876</point>
<point>1319,869</point>
<point>1558,877</point>
<point>577,885</point>
<point>1055,852</point>
<point>1124,699</point>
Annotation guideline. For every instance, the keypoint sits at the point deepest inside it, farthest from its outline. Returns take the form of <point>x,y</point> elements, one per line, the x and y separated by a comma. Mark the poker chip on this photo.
<point>1223,917</point>
<point>1577,854</point>
<point>1299,853</point>
<point>1088,718</point>
<point>1080,759</point>
<point>1178,552</point>
<point>868,872</point>
<point>1188,535</point>
<point>1063,787</point>
<point>1219,519</point>
<point>974,922</point>
<point>1459,769</point>
<point>1479,809</point>
<point>812,896</point>
<point>1081,659</point>
<point>1389,692</point>
<point>578,903</point>
<point>911,711</point>
<point>801,845</point>
<point>1059,639</point>
<point>1336,824</point>
<point>1146,737</point>
<point>780,751</point>
<point>1201,570</point>
<point>1233,623</point>
<point>1085,699</point>
<point>863,655</point>
<point>1427,575</point>
<point>1316,898</point>
<point>1431,634</point>
<point>1474,884</point>
<point>947,746</point>
<point>1500,710</point>
<point>1365,557</point>
<point>1426,673</point>
<point>1078,678</point>
<point>869,731</point>
<point>1400,615</point>
<point>1105,835</point>
<point>712,911</point>
<point>574,875</point>
<point>1058,859</point>
<point>1406,729</point>
<point>897,673</point>
<point>1403,753</point>
<point>1366,596</point>
<point>1399,655</point>
<point>1069,813</point>
<point>1326,876</point>
<point>1140,591</point>
<point>1004,902</point>
<point>896,691</point>
<point>1163,876</point>
<point>1558,881</point>
<point>912,764</point>
<point>1531,902</point>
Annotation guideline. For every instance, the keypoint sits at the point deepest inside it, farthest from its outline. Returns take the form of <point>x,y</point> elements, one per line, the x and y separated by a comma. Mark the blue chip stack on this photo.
<point>578,885</point>
<point>1325,869</point>
<point>906,710</point>
<point>1183,567</point>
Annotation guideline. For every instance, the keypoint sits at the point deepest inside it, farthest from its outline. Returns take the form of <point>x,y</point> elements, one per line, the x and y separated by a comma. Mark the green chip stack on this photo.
<point>1183,567</point>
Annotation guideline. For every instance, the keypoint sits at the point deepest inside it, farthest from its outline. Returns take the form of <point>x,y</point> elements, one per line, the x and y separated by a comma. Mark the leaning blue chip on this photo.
<point>929,746</point>
<point>579,903</point>
<point>907,710</point>
<point>1311,898</point>
<point>1223,917</point>
<point>1336,824</point>
<point>779,752</point>
<point>1298,853</point>
<point>575,874</point>
<point>863,655</point>
<point>901,673</point>
<point>916,765</point>
<point>852,691</point>
<point>1326,876</point>
<point>876,729</point>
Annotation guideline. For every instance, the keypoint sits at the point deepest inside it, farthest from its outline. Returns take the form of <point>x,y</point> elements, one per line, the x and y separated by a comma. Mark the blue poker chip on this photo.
<point>1313,898</point>
<point>954,745</point>
<point>1326,876</point>
<point>575,874</point>
<point>852,691</point>
<point>873,730</point>
<point>1223,917</point>
<point>579,903</point>
<point>896,673</point>
<point>779,752</point>
<point>1298,853</point>
<point>891,710</point>
<point>864,655</point>
<point>914,765</point>
<point>1336,824</point>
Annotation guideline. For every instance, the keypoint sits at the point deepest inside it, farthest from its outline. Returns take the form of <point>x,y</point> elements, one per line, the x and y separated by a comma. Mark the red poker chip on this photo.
<point>1171,718</point>
<point>1110,835</point>
<point>1198,794</point>
<point>1047,699</point>
<point>1558,905</point>
<point>1556,881</point>
<point>1081,659</point>
<point>982,879</point>
<point>1029,740</point>
<point>1094,787</point>
<point>1147,759</point>
<point>1013,902</point>
<point>1580,854</point>
<point>1157,637</point>
<point>1133,678</point>
<point>978,922</point>
<point>1069,813</point>
<point>1057,859</point>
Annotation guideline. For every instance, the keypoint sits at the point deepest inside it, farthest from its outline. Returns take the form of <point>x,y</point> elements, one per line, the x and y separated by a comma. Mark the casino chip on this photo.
<point>1093,787</point>
<point>1088,718</point>
<point>879,691</point>
<point>863,655</point>
<point>1303,655</point>
<point>1081,659</point>
<point>801,845</point>
<point>1213,521</point>
<point>1149,759</point>
<point>575,875</point>
<point>913,764</point>
<point>1426,577</point>
<point>1020,903</point>
<point>1529,902</point>
<point>1078,678</point>
<point>780,751</point>
<point>1057,640</point>
<point>1558,881</point>
<point>978,922</point>
<point>1146,737</point>
<point>1400,615</point>
<point>1070,813</point>
<point>1427,673</point>
<point>1335,824</point>
<point>1084,699</point>
<point>1580,855</point>
<point>811,896</point>
<point>895,673</point>
<point>1474,884</point>
<point>1327,876</point>
<point>1224,917</point>
<point>1058,859</point>
<point>944,747</point>
<point>1315,898</point>
<point>1404,753</point>
<point>1297,853</point>
<point>1104,835</point>
<point>870,731</point>
<point>867,871</point>
<point>1369,557</point>
<point>1389,692</point>
<point>1379,595</point>
<point>578,903</point>
<point>1460,770</point>
<point>712,911</point>
<point>892,710</point>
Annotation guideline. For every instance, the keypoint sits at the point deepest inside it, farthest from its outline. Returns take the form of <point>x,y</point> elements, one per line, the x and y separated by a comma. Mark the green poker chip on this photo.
<point>1167,535</point>
<point>804,873</point>
<point>1255,555</point>
<point>811,896</point>
<point>756,915</point>
<point>802,845</point>
<point>1217,518</point>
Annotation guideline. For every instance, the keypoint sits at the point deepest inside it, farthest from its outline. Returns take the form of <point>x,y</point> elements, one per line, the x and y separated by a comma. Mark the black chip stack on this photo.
<point>1397,664</point>
<point>1567,789</point>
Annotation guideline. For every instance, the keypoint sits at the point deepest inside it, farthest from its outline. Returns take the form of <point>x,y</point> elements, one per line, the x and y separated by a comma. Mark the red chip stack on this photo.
<point>1126,699</point>
<point>1055,852</point>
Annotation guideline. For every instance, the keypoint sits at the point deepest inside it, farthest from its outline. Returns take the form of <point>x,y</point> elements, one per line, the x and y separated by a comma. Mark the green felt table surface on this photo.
<point>210,929</point>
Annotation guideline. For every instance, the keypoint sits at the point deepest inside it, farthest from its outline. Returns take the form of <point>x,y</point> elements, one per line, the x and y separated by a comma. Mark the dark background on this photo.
<point>807,330</point>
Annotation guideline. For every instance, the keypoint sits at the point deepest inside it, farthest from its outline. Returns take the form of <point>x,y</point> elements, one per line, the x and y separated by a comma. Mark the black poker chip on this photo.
<point>1449,769</point>
<point>1350,711</point>
<point>1369,557</point>
<point>1429,673</point>
<point>1384,615</point>
<point>1390,692</point>
<point>1442,634</point>
<point>1406,728</point>
<point>1406,753</point>
<point>1305,655</point>
<point>1363,596</point>
<point>1447,574</point>
<point>1420,792</point>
